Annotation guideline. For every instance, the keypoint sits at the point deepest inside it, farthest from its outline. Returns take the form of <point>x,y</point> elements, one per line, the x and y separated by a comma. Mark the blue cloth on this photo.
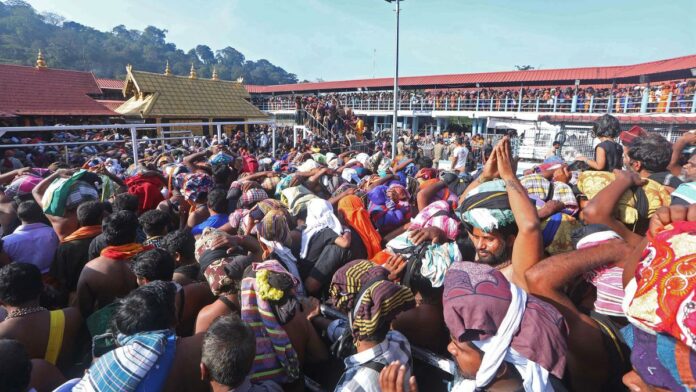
<point>213,221</point>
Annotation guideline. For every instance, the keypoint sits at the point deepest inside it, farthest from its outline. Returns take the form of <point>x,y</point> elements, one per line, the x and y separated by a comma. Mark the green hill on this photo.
<point>70,45</point>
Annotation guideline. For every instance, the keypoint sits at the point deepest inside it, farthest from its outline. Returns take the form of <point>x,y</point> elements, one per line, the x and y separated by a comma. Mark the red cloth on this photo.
<point>148,189</point>
<point>627,137</point>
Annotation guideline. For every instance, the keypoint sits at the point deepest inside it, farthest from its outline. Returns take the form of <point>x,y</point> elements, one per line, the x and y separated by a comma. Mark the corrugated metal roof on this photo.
<point>584,74</point>
<point>49,92</point>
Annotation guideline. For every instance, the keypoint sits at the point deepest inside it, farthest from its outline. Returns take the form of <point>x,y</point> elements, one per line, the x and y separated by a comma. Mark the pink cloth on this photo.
<point>426,218</point>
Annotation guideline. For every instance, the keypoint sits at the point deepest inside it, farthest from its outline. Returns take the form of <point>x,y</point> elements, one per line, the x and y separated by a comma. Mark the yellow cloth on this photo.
<point>591,182</point>
<point>55,336</point>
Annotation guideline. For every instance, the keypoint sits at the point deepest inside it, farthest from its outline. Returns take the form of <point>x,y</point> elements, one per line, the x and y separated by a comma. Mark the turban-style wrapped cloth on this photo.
<point>350,279</point>
<point>487,207</point>
<point>195,186</point>
<point>68,193</point>
<point>685,194</point>
<point>268,303</point>
<point>221,159</point>
<point>319,216</point>
<point>378,306</point>
<point>482,307</point>
<point>542,190</point>
<point>357,217</point>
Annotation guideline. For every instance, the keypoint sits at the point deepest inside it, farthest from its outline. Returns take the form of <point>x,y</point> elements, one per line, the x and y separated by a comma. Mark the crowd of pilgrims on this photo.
<point>678,95</point>
<point>217,270</point>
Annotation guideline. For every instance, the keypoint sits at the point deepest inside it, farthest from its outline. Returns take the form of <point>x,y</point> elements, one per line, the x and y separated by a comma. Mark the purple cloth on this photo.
<point>21,246</point>
<point>475,301</point>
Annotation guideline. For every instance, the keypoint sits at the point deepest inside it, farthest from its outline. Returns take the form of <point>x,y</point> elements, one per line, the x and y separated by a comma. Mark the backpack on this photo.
<point>249,164</point>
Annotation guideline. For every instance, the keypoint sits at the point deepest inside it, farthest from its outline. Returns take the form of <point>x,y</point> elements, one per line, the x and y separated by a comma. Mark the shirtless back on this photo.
<point>101,282</point>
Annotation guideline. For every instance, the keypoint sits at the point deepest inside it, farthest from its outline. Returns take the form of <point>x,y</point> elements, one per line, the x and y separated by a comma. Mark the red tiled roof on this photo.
<point>110,84</point>
<point>627,119</point>
<point>50,92</point>
<point>110,104</point>
<point>585,75</point>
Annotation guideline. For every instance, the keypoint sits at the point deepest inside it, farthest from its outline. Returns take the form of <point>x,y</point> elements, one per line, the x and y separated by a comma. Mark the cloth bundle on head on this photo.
<point>487,207</point>
<point>661,360</point>
<point>357,217</point>
<point>195,186</point>
<point>308,165</point>
<point>332,160</point>
<point>557,231</point>
<point>378,306</point>
<point>372,163</point>
<point>276,359</point>
<point>283,184</point>
<point>362,158</point>
<point>437,258</point>
<point>296,199</point>
<point>319,216</point>
<point>608,279</point>
<point>350,175</point>
<point>627,137</point>
<point>482,307</point>
<point>542,190</point>
<point>274,233</point>
<point>633,205</point>
<point>319,158</point>
<point>213,262</point>
<point>22,185</point>
<point>147,189</point>
<point>221,159</point>
<point>350,279</point>
<point>384,167</point>
<point>252,196</point>
<point>685,194</point>
<point>389,206</point>
<point>68,193</point>
<point>661,297</point>
<point>142,358</point>
<point>436,214</point>
<point>269,183</point>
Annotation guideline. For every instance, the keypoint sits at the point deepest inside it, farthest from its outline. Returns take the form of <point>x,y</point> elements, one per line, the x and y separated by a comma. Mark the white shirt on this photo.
<point>461,153</point>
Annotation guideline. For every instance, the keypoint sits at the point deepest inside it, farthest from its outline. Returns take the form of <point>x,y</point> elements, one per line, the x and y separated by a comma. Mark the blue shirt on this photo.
<point>214,221</point>
<point>35,243</point>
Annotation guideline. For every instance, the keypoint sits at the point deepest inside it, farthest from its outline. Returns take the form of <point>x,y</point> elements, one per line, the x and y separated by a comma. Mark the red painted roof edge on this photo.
<point>622,71</point>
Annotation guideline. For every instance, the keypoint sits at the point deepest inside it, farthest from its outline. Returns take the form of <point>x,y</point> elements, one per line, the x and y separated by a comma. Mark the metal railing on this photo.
<point>132,128</point>
<point>644,102</point>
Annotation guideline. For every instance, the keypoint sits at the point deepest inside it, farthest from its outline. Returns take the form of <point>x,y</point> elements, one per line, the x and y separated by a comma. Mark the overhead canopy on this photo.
<point>168,96</point>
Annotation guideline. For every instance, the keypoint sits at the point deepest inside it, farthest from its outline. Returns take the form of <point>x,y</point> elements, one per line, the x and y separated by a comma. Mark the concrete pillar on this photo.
<point>415,123</point>
<point>574,104</point>
<point>439,125</point>
<point>644,101</point>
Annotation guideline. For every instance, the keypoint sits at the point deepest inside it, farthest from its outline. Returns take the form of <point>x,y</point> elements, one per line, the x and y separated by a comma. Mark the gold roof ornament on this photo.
<point>40,63</point>
<point>129,67</point>
<point>240,79</point>
<point>167,70</point>
<point>215,74</point>
<point>192,74</point>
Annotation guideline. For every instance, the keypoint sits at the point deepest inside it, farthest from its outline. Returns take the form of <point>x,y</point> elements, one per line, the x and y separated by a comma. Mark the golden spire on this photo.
<point>215,74</point>
<point>129,68</point>
<point>167,70</point>
<point>193,74</point>
<point>40,63</point>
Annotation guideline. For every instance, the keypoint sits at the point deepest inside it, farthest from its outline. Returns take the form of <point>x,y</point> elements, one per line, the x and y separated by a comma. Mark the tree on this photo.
<point>71,45</point>
<point>205,54</point>
<point>524,67</point>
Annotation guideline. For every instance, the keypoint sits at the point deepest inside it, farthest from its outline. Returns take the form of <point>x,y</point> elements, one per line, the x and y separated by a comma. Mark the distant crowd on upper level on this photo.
<point>671,97</point>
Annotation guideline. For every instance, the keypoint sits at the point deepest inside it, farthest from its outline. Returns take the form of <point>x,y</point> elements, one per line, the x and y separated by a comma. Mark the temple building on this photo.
<point>167,98</point>
<point>45,96</point>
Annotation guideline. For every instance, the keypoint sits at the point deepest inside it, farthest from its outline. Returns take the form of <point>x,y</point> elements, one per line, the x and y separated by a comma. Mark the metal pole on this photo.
<point>67,155</point>
<point>396,81</point>
<point>294,137</point>
<point>134,142</point>
<point>219,133</point>
<point>273,135</point>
